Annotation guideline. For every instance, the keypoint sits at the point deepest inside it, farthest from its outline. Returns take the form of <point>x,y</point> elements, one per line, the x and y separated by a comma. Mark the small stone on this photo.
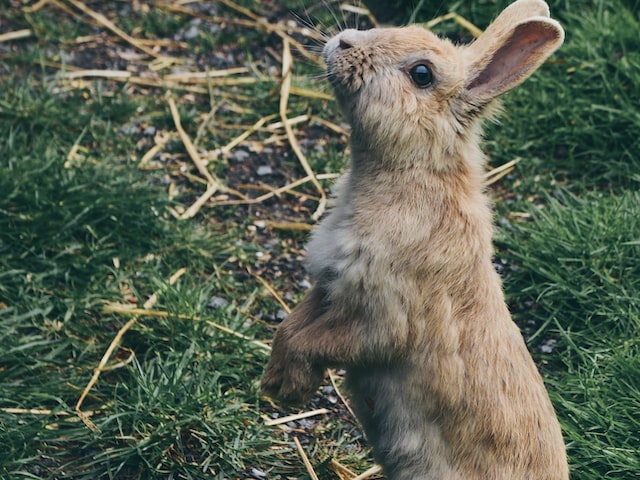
<point>548,346</point>
<point>217,302</point>
<point>264,170</point>
<point>67,57</point>
<point>149,131</point>
<point>191,33</point>
<point>129,129</point>
<point>240,155</point>
<point>306,424</point>
<point>255,473</point>
<point>270,244</point>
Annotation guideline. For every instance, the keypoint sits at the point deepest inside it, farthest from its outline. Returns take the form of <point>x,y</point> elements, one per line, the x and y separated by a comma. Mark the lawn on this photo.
<point>160,172</point>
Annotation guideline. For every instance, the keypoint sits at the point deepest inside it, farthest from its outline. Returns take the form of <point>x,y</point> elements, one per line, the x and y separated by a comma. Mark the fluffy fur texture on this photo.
<point>405,295</point>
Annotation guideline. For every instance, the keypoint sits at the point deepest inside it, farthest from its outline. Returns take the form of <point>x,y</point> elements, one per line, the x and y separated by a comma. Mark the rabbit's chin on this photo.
<point>348,104</point>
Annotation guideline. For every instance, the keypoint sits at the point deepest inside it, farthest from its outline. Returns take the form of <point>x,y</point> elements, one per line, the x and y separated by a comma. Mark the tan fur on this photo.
<point>405,295</point>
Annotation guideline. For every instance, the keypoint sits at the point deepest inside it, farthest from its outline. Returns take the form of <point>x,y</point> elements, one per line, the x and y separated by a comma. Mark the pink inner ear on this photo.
<point>516,57</point>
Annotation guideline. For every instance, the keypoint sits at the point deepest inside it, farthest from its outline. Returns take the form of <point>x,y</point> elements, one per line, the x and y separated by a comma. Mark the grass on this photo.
<point>74,237</point>
<point>578,252</point>
<point>85,223</point>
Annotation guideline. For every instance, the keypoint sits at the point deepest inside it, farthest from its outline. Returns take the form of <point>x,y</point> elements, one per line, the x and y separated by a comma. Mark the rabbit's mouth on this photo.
<point>348,61</point>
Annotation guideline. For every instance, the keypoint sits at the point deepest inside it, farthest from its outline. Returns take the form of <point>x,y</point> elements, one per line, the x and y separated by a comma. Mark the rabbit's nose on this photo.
<point>345,44</point>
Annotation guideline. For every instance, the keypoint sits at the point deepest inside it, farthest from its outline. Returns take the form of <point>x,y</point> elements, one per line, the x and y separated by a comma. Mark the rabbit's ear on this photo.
<point>511,16</point>
<point>500,28</point>
<point>511,49</point>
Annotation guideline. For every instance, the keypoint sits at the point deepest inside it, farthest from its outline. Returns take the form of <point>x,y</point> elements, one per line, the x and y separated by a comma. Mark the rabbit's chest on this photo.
<point>342,249</point>
<point>370,242</point>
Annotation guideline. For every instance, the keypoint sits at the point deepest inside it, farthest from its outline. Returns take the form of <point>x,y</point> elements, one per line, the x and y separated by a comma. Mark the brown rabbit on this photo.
<point>406,297</point>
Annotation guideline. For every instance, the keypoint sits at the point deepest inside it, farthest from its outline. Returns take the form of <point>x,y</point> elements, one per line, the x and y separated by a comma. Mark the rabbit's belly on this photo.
<point>406,439</point>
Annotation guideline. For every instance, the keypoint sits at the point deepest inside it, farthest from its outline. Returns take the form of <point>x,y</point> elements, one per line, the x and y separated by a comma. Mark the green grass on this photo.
<point>578,276</point>
<point>81,226</point>
<point>186,395</point>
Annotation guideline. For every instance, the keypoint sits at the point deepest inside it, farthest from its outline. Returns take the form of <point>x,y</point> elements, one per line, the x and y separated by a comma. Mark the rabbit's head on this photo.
<point>404,90</point>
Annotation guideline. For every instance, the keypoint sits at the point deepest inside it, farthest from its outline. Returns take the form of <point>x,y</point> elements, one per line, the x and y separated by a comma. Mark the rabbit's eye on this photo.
<point>421,75</point>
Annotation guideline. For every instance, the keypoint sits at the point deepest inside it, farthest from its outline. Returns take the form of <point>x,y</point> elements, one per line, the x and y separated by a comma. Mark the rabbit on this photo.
<point>405,295</point>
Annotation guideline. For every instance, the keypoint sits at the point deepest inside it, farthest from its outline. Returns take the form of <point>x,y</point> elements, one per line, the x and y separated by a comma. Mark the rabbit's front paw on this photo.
<point>273,375</point>
<point>300,380</point>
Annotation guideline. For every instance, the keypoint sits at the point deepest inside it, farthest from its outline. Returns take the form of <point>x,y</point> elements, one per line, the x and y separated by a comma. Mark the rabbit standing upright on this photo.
<point>406,297</point>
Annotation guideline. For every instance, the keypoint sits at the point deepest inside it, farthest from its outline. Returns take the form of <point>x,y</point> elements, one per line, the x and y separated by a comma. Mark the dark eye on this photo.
<point>421,75</point>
